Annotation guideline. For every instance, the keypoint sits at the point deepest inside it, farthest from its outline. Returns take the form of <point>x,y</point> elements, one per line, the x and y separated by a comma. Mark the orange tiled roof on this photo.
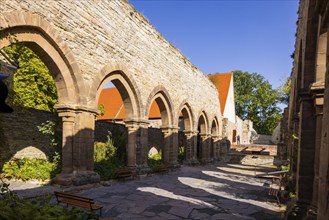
<point>111,99</point>
<point>222,82</point>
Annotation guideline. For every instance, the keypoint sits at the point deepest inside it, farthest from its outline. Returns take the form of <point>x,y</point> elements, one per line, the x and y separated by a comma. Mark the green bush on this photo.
<point>110,156</point>
<point>106,169</point>
<point>155,161</point>
<point>27,169</point>
<point>14,208</point>
<point>181,154</point>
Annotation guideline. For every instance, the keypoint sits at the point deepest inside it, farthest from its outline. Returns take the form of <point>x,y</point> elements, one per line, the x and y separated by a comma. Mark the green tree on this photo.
<point>256,100</point>
<point>284,91</point>
<point>34,87</point>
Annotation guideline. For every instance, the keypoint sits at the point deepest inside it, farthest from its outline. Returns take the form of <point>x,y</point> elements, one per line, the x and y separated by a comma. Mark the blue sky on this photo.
<point>225,35</point>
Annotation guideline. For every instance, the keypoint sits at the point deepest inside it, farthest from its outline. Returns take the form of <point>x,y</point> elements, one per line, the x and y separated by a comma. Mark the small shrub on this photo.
<point>285,168</point>
<point>107,156</point>
<point>106,169</point>
<point>27,169</point>
<point>15,208</point>
<point>181,154</point>
<point>155,162</point>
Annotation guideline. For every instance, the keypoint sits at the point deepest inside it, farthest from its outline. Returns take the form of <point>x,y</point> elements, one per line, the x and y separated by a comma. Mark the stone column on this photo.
<point>194,142</point>
<point>306,153</point>
<point>209,148</point>
<point>189,145</point>
<point>323,203</point>
<point>137,146</point>
<point>216,152</point>
<point>190,148</point>
<point>83,146</point>
<point>68,118</point>
<point>173,157</point>
<point>167,148</point>
<point>78,146</point>
<point>131,144</point>
<point>204,148</point>
<point>318,90</point>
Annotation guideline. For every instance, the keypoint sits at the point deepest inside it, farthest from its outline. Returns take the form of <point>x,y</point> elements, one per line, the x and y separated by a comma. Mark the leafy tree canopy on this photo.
<point>256,100</point>
<point>284,91</point>
<point>34,87</point>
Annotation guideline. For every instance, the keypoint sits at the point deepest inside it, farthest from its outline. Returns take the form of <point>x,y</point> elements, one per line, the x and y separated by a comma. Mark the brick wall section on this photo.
<point>102,32</point>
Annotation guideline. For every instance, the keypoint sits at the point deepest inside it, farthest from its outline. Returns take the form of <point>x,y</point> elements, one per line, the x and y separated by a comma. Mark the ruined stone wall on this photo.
<point>108,31</point>
<point>18,130</point>
<point>308,116</point>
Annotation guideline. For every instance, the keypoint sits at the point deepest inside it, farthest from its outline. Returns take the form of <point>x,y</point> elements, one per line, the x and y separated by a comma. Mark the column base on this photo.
<point>77,179</point>
<point>191,162</point>
<point>296,211</point>
<point>174,165</point>
<point>311,214</point>
<point>142,169</point>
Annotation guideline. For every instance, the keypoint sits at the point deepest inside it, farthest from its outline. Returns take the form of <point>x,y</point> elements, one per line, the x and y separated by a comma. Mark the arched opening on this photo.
<point>185,134</point>
<point>33,95</point>
<point>214,147</point>
<point>117,103</point>
<point>159,133</point>
<point>201,138</point>
<point>40,37</point>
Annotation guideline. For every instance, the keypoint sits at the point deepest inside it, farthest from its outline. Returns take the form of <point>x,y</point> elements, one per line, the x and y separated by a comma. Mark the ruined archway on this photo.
<point>202,145</point>
<point>160,96</point>
<point>121,78</point>
<point>214,146</point>
<point>185,133</point>
<point>45,41</point>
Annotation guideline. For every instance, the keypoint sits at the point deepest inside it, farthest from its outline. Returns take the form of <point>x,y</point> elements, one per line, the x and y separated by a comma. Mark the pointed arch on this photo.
<point>161,96</point>
<point>121,77</point>
<point>41,37</point>
<point>187,113</point>
<point>215,127</point>
<point>202,123</point>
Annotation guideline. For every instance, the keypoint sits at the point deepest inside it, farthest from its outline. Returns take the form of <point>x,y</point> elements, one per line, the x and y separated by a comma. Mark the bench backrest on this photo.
<point>73,197</point>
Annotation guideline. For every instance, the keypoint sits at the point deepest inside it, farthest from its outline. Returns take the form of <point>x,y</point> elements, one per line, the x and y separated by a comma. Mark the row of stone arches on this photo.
<point>78,101</point>
<point>193,126</point>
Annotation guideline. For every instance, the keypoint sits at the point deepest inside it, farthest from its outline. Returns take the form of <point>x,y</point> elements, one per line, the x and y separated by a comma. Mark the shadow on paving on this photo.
<point>207,192</point>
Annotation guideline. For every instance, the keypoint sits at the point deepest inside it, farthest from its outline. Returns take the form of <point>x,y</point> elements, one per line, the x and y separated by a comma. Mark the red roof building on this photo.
<point>114,110</point>
<point>224,85</point>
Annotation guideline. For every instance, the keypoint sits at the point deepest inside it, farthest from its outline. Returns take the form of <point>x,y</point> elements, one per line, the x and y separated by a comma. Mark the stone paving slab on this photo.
<point>224,191</point>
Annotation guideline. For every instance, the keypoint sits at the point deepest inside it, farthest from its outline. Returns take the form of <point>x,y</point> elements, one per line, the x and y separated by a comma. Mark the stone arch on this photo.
<point>202,123</point>
<point>124,82</point>
<point>214,127</point>
<point>187,112</point>
<point>214,145</point>
<point>202,151</point>
<point>40,36</point>
<point>161,96</point>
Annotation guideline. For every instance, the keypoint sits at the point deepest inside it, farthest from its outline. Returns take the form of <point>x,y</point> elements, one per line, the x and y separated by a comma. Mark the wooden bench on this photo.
<point>124,173</point>
<point>275,188</point>
<point>79,201</point>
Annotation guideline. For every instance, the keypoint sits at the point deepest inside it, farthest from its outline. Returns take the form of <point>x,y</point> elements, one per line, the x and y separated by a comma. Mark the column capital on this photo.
<point>317,90</point>
<point>215,137</point>
<point>169,128</point>
<point>65,107</point>
<point>134,122</point>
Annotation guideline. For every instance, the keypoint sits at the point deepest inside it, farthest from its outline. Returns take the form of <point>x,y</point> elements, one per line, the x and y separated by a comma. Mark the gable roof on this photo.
<point>114,109</point>
<point>222,82</point>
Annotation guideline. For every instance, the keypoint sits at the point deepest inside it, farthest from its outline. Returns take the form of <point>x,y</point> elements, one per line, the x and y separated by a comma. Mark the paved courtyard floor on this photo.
<point>223,191</point>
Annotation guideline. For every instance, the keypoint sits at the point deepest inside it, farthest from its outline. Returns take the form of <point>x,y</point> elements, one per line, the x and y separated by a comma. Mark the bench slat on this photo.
<point>92,206</point>
<point>76,200</point>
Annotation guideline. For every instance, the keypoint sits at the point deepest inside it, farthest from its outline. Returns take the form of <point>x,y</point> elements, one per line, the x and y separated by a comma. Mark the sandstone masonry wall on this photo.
<point>108,31</point>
